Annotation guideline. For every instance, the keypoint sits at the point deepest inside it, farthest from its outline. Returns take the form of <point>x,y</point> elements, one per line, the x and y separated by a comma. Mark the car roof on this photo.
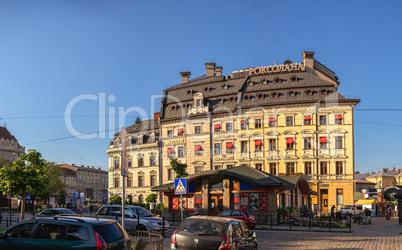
<point>213,218</point>
<point>72,218</point>
<point>115,205</point>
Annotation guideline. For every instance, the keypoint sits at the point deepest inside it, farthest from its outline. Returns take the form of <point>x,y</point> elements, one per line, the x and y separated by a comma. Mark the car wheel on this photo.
<point>141,228</point>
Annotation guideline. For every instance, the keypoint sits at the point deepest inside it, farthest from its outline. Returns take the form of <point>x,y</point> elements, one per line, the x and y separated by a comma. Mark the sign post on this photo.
<point>180,187</point>
<point>124,168</point>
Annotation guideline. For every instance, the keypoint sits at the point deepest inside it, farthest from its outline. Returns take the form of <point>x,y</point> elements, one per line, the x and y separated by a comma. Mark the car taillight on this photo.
<point>225,243</point>
<point>174,237</point>
<point>100,242</point>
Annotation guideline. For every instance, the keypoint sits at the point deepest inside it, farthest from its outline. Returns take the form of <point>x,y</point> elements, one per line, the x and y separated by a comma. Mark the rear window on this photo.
<point>225,213</point>
<point>202,228</point>
<point>76,232</point>
<point>109,232</point>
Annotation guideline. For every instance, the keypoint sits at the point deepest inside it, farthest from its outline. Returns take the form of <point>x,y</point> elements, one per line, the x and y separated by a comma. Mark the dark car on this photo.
<point>213,232</point>
<point>66,232</point>
<point>54,211</point>
<point>243,215</point>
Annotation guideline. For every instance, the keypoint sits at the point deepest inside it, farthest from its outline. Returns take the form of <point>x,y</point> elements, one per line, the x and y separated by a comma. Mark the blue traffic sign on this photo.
<point>71,197</point>
<point>104,198</point>
<point>82,195</point>
<point>76,195</point>
<point>180,186</point>
<point>28,197</point>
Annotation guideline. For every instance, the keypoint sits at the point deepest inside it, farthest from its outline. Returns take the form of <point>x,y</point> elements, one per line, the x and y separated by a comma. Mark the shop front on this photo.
<point>242,187</point>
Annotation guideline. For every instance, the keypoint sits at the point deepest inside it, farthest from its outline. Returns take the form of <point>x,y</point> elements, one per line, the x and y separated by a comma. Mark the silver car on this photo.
<point>135,218</point>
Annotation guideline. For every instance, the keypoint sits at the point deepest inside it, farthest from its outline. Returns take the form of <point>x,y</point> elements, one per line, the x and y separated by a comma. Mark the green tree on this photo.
<point>53,181</point>
<point>28,171</point>
<point>179,168</point>
<point>115,199</point>
<point>151,198</point>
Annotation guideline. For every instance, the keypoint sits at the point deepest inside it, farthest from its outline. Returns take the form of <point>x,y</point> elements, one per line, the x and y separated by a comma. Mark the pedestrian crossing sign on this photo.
<point>180,186</point>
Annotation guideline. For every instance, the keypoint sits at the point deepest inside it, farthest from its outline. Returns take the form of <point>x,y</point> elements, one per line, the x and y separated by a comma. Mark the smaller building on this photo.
<point>10,149</point>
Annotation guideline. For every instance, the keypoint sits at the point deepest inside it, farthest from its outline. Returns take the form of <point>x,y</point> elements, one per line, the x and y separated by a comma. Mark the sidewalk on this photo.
<point>14,218</point>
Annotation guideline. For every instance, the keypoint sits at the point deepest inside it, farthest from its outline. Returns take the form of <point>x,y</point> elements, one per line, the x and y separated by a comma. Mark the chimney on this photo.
<point>385,170</point>
<point>218,71</point>
<point>393,170</point>
<point>210,67</point>
<point>82,165</point>
<point>185,76</point>
<point>72,165</point>
<point>308,59</point>
<point>157,115</point>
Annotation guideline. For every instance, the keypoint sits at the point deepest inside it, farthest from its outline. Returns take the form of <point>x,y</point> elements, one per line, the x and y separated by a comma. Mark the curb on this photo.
<point>298,230</point>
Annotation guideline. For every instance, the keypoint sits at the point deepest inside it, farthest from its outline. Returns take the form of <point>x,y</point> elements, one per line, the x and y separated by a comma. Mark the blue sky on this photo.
<point>54,51</point>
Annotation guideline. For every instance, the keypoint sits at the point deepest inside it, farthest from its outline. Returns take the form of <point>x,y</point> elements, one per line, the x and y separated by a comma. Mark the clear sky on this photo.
<point>54,51</point>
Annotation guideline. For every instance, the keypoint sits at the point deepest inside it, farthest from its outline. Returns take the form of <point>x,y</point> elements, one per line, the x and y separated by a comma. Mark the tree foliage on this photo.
<point>179,168</point>
<point>27,172</point>
<point>151,198</point>
<point>115,199</point>
<point>52,180</point>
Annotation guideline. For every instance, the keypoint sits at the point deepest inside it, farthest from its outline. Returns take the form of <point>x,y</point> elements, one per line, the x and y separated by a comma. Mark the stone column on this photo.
<point>166,203</point>
<point>226,194</point>
<point>205,195</point>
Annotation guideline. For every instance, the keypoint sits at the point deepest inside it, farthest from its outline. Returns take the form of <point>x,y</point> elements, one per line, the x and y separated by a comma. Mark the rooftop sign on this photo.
<point>277,69</point>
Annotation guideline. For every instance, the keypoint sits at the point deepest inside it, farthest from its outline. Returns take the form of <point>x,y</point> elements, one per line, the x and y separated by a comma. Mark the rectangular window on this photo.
<point>129,163</point>
<point>152,160</point>
<point>289,144</point>
<point>140,181</point>
<point>218,167</point>
<point>229,166</point>
<point>153,180</point>
<point>289,120</point>
<point>152,138</point>
<point>324,167</point>
<point>272,122</point>
<point>307,167</point>
<point>338,142</point>
<point>197,169</point>
<point>140,162</point>
<point>129,181</point>
<point>258,166</point>
<point>229,147</point>
<point>323,142</point>
<point>244,146</point>
<point>323,120</point>
<point>307,120</point>
<point>140,140</point>
<point>307,142</point>
<point>339,196</point>
<point>170,153</point>
<point>180,132</point>
<point>170,174</point>
<point>180,151</point>
<point>272,168</point>
<point>217,128</point>
<point>198,149</point>
<point>170,133</point>
<point>229,126</point>
<point>116,164</point>
<point>198,129</point>
<point>199,103</point>
<point>116,182</point>
<point>290,167</point>
<point>244,124</point>
<point>217,148</point>
<point>258,123</point>
<point>338,119</point>
<point>339,167</point>
<point>272,144</point>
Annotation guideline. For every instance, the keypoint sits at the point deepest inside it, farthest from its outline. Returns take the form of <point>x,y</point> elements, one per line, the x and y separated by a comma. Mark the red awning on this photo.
<point>272,119</point>
<point>170,150</point>
<point>229,145</point>
<point>289,140</point>
<point>242,122</point>
<point>258,142</point>
<point>180,130</point>
<point>198,201</point>
<point>197,147</point>
<point>217,126</point>
<point>338,117</point>
<point>323,139</point>
<point>307,117</point>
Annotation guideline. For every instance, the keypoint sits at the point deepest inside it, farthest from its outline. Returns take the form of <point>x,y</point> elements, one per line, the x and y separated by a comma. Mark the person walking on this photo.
<point>333,212</point>
<point>387,213</point>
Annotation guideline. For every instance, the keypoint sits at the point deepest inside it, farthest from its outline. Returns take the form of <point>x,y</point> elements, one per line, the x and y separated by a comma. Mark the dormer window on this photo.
<point>225,86</point>
<point>246,97</point>
<point>232,99</point>
<point>264,81</point>
<point>324,91</point>
<point>293,78</point>
<point>277,80</point>
<point>260,95</point>
<point>173,107</point>
<point>308,92</point>
<point>251,83</point>
<point>199,103</point>
<point>140,140</point>
<point>207,89</point>
<point>291,93</point>
<point>274,94</point>
<point>190,91</point>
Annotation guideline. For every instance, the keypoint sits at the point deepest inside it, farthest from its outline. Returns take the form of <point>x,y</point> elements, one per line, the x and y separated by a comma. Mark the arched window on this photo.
<point>140,198</point>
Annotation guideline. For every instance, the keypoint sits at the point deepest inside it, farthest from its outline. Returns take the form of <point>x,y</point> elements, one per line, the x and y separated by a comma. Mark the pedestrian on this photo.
<point>333,212</point>
<point>197,210</point>
<point>368,215</point>
<point>387,213</point>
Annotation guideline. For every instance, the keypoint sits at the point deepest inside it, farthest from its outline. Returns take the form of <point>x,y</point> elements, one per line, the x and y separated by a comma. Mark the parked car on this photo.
<point>243,215</point>
<point>66,232</point>
<point>73,206</point>
<point>54,211</point>
<point>213,232</point>
<point>351,209</point>
<point>133,215</point>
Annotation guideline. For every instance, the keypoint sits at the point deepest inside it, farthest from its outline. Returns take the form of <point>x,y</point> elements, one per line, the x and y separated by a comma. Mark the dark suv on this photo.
<point>66,232</point>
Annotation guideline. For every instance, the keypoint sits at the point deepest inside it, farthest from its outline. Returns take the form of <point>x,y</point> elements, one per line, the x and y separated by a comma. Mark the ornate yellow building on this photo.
<point>143,160</point>
<point>283,119</point>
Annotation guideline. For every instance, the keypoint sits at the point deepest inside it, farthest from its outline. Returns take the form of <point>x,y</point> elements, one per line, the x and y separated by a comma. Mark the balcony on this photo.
<point>273,155</point>
<point>340,152</point>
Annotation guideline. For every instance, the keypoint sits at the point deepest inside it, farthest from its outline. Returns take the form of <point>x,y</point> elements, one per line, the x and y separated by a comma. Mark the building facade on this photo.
<point>286,119</point>
<point>10,149</point>
<point>143,160</point>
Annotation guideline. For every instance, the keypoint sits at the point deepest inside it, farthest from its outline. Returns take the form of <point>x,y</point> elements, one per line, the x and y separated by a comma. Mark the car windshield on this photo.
<point>67,212</point>
<point>142,212</point>
<point>202,228</point>
<point>346,207</point>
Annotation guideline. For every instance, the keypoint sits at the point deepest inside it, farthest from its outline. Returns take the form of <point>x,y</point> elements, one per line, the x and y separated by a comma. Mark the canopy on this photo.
<point>366,202</point>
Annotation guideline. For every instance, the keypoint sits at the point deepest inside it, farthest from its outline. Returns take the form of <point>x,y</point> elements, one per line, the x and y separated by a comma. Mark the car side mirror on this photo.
<point>254,235</point>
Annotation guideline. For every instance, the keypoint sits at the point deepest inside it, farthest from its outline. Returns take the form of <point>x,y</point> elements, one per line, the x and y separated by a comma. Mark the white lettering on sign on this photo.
<point>277,68</point>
